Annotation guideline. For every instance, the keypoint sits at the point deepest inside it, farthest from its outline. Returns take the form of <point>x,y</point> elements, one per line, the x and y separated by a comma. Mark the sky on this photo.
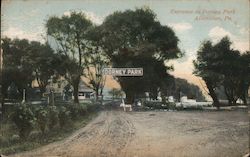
<point>192,20</point>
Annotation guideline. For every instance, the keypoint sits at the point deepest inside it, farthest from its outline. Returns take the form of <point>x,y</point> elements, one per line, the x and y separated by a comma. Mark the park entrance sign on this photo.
<point>123,71</point>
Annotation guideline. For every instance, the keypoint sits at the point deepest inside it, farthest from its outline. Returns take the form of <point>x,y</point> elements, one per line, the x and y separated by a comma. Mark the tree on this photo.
<point>190,90</point>
<point>95,60</point>
<point>226,64</point>
<point>244,76</point>
<point>204,68</point>
<point>116,93</point>
<point>25,61</point>
<point>218,65</point>
<point>16,68</point>
<point>137,39</point>
<point>69,33</point>
<point>41,58</point>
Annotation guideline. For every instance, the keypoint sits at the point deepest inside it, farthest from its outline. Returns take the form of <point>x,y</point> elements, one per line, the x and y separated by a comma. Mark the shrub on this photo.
<point>159,105</point>
<point>153,105</point>
<point>24,119</point>
<point>52,116</point>
<point>83,109</point>
<point>74,110</point>
<point>64,116</point>
<point>42,118</point>
<point>171,106</point>
<point>93,107</point>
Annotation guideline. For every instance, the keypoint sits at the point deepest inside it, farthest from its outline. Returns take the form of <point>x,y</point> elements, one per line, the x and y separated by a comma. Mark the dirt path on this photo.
<point>155,134</point>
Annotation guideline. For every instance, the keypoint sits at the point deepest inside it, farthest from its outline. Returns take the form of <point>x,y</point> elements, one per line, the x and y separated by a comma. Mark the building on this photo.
<point>84,91</point>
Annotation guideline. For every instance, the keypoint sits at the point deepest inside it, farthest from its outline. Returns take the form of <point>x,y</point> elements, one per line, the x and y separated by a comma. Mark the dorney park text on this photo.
<point>123,71</point>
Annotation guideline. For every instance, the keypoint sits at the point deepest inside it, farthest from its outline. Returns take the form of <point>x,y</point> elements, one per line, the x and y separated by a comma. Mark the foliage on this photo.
<point>16,65</point>
<point>116,93</point>
<point>204,68</point>
<point>64,116</point>
<point>42,118</point>
<point>155,105</point>
<point>11,143</point>
<point>83,110</point>
<point>22,57</point>
<point>137,39</point>
<point>52,116</point>
<point>220,65</point>
<point>93,107</point>
<point>42,59</point>
<point>69,34</point>
<point>24,119</point>
<point>74,110</point>
<point>95,60</point>
<point>184,88</point>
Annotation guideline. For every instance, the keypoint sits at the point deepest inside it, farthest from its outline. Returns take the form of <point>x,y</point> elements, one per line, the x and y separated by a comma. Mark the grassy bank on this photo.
<point>10,141</point>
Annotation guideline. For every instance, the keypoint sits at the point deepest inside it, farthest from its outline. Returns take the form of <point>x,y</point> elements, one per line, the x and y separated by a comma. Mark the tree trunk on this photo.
<point>96,93</point>
<point>228,93</point>
<point>213,95</point>
<point>75,90</point>
<point>129,97</point>
<point>2,108</point>
<point>244,100</point>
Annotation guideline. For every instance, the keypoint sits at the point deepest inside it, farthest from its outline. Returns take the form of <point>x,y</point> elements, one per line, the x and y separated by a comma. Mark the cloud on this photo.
<point>181,27</point>
<point>90,15</point>
<point>241,45</point>
<point>216,33</point>
<point>15,32</point>
<point>240,42</point>
<point>244,31</point>
<point>66,13</point>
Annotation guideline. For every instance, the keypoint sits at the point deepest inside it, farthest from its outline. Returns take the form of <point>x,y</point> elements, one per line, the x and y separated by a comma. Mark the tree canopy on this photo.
<point>24,62</point>
<point>220,65</point>
<point>135,38</point>
<point>70,35</point>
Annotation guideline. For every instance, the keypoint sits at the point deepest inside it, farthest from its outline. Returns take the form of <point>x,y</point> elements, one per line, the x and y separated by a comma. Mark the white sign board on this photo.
<point>123,71</point>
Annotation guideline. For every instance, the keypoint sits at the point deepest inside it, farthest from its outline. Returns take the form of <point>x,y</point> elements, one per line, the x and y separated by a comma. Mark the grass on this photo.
<point>11,143</point>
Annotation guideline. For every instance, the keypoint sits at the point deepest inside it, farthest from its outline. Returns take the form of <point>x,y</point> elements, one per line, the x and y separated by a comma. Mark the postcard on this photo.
<point>114,78</point>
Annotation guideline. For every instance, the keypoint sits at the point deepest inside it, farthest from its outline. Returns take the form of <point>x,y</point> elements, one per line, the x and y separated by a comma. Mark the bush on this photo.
<point>159,105</point>
<point>154,105</point>
<point>64,116</point>
<point>52,116</point>
<point>83,110</point>
<point>171,106</point>
<point>24,119</point>
<point>93,107</point>
<point>42,118</point>
<point>74,110</point>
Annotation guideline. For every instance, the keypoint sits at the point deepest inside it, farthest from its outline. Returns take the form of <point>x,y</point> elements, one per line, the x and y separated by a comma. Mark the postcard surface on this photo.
<point>113,78</point>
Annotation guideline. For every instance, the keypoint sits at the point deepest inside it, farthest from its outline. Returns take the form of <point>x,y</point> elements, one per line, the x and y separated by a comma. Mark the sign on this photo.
<point>123,71</point>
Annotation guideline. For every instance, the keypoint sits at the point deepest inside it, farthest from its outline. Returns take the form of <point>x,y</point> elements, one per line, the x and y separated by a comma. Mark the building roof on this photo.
<point>83,87</point>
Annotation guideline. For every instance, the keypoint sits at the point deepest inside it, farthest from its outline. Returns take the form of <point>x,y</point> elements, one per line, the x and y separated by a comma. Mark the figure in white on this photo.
<point>125,106</point>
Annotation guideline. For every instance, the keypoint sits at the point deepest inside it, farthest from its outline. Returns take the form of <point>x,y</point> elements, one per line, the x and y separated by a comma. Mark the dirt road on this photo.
<point>156,134</point>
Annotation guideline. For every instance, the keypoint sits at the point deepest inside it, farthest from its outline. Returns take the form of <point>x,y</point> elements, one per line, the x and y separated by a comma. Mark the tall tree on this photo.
<point>204,68</point>
<point>16,68</point>
<point>221,65</point>
<point>226,64</point>
<point>95,60</point>
<point>134,35</point>
<point>192,91</point>
<point>41,58</point>
<point>244,76</point>
<point>69,33</point>
<point>25,61</point>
